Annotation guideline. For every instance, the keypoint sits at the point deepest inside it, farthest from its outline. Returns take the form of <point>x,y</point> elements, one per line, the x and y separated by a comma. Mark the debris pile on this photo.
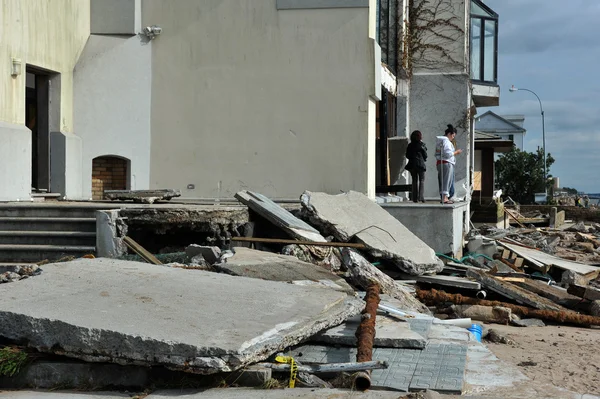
<point>335,293</point>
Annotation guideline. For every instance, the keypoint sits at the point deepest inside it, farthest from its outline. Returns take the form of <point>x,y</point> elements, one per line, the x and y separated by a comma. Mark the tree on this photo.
<point>520,174</point>
<point>572,191</point>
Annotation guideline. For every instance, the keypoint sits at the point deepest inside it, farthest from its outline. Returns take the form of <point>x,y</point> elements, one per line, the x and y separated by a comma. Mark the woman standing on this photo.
<point>445,156</point>
<point>416,153</point>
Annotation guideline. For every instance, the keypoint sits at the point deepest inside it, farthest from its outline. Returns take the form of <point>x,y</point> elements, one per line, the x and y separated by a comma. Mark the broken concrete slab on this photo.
<point>280,217</point>
<point>210,254</point>
<point>354,215</point>
<point>141,196</point>
<point>269,266</point>
<point>363,274</point>
<point>514,292</point>
<point>150,315</point>
<point>389,333</point>
<point>62,395</point>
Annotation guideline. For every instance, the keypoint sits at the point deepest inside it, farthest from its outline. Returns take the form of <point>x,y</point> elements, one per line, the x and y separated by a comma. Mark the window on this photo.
<point>484,43</point>
<point>511,137</point>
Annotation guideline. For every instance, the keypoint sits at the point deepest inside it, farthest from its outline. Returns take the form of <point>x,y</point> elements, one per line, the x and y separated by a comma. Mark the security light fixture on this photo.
<point>152,31</point>
<point>15,69</point>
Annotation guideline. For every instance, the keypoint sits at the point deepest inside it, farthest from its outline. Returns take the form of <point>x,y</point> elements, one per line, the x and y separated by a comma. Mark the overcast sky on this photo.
<point>553,48</point>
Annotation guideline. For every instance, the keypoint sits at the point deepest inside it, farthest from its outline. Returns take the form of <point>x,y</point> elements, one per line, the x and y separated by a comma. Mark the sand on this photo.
<point>565,357</point>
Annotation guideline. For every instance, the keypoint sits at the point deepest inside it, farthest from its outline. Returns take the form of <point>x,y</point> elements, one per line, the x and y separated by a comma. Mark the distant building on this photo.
<point>508,127</point>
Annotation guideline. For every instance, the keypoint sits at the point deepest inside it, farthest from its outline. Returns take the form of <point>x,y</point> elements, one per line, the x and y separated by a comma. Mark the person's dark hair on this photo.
<point>451,129</point>
<point>416,136</point>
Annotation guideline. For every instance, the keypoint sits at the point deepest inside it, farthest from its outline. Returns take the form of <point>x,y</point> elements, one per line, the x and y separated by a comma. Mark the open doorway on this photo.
<point>40,115</point>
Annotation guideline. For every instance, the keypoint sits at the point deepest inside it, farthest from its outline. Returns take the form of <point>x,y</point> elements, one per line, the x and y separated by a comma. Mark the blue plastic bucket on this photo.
<point>476,330</point>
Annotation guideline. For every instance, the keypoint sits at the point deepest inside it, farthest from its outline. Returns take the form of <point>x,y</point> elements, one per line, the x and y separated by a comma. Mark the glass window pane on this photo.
<point>475,48</point>
<point>476,9</point>
<point>490,51</point>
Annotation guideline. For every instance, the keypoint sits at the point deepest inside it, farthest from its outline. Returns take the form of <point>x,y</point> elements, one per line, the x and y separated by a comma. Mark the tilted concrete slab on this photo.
<point>269,266</point>
<point>62,395</point>
<point>353,214</point>
<point>389,333</point>
<point>108,310</point>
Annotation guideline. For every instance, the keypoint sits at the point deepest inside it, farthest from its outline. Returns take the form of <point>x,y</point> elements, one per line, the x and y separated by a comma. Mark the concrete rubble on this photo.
<point>353,216</point>
<point>223,311</point>
<point>141,196</point>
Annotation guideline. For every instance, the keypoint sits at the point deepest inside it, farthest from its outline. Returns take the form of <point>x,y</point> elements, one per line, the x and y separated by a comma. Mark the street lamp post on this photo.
<point>513,89</point>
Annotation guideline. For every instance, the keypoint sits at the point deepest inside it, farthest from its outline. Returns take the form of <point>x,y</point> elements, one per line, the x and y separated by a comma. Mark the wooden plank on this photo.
<point>141,251</point>
<point>521,252</point>
<point>557,295</point>
<point>280,217</point>
<point>519,262</point>
<point>512,256</point>
<point>299,242</point>
<point>513,217</point>
<point>512,279</point>
<point>589,293</point>
<point>505,253</point>
<point>513,292</point>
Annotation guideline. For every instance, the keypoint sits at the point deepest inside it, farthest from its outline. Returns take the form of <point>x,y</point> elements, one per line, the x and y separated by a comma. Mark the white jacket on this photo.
<point>444,150</point>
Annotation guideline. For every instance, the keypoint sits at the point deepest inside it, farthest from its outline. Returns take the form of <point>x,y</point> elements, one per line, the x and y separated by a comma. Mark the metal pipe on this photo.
<point>365,334</point>
<point>481,294</point>
<point>330,367</point>
<point>393,311</point>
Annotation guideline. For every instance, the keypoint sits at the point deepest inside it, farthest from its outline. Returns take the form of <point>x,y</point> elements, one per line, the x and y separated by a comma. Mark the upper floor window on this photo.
<point>484,43</point>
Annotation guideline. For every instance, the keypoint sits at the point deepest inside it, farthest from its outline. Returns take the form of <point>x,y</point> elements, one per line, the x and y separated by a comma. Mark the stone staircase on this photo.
<point>32,232</point>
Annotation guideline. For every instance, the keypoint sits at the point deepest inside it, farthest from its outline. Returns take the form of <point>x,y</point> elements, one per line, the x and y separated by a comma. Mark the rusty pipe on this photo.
<point>365,335</point>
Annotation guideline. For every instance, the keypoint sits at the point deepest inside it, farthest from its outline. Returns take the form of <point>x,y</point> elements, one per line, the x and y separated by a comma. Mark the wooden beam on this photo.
<point>299,242</point>
<point>141,251</point>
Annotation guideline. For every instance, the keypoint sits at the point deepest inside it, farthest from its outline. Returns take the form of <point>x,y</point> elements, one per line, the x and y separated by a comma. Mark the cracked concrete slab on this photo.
<point>269,266</point>
<point>303,393</point>
<point>107,310</point>
<point>354,215</point>
<point>389,333</point>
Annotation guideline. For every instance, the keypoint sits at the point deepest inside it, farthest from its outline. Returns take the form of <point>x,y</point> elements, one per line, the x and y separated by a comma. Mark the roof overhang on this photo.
<point>496,145</point>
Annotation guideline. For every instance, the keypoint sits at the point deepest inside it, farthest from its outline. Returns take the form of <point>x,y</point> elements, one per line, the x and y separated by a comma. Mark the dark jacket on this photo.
<point>416,153</point>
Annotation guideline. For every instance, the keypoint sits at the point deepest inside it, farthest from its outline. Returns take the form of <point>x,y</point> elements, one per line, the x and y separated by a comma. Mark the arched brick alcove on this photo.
<point>109,173</point>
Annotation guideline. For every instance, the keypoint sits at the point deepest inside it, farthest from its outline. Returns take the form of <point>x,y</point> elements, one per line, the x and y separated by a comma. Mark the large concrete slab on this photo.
<point>62,395</point>
<point>107,310</point>
<point>269,266</point>
<point>353,215</point>
<point>389,333</point>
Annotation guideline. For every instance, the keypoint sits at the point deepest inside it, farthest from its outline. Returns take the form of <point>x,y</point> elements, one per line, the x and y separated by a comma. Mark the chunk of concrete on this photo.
<point>280,217</point>
<point>269,266</point>
<point>528,323</point>
<point>211,254</point>
<point>354,215</point>
<point>288,393</point>
<point>142,196</point>
<point>107,310</point>
<point>363,274</point>
<point>389,333</point>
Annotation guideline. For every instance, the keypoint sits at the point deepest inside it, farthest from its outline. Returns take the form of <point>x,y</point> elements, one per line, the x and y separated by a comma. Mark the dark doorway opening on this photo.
<point>37,119</point>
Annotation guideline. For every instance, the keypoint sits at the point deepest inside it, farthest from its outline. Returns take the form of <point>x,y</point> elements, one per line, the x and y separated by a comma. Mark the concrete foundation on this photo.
<point>440,226</point>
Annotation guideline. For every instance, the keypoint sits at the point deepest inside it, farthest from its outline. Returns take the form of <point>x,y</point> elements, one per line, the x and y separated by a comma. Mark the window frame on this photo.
<point>494,18</point>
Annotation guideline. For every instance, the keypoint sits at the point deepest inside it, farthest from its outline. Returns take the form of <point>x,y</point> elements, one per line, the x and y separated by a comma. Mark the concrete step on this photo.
<point>55,209</point>
<point>37,253</point>
<point>85,238</point>
<point>47,224</point>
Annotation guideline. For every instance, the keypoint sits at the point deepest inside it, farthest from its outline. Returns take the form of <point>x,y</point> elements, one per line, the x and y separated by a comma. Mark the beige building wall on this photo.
<point>50,35</point>
<point>246,96</point>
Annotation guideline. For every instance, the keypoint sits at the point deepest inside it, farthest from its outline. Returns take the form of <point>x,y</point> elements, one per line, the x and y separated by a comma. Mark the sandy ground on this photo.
<point>565,357</point>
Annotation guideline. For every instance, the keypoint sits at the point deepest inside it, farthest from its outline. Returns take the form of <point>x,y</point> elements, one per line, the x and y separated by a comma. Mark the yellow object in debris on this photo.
<point>89,256</point>
<point>293,368</point>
